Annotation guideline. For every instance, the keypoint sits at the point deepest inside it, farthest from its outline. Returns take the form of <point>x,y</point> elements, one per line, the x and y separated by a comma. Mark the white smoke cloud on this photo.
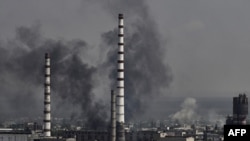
<point>188,113</point>
<point>215,118</point>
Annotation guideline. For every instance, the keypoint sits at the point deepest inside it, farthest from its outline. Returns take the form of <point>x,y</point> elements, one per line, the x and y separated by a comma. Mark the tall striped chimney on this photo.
<point>113,116</point>
<point>120,82</point>
<point>47,122</point>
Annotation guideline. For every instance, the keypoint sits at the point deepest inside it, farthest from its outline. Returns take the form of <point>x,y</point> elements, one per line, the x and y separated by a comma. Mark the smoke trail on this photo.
<point>215,118</point>
<point>188,113</point>
<point>146,74</point>
<point>22,78</point>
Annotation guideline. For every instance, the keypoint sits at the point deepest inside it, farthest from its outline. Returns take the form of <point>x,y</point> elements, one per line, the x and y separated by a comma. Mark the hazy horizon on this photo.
<point>175,48</point>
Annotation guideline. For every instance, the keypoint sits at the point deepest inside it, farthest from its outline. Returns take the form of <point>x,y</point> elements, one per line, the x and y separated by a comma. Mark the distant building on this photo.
<point>86,135</point>
<point>130,136</point>
<point>7,134</point>
<point>175,138</point>
<point>240,111</point>
<point>54,139</point>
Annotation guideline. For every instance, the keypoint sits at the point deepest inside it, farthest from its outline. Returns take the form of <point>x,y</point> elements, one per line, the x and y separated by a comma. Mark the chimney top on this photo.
<point>47,55</point>
<point>120,16</point>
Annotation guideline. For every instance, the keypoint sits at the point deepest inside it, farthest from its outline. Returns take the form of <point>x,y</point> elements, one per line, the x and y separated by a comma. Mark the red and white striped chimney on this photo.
<point>47,115</point>
<point>120,82</point>
<point>113,116</point>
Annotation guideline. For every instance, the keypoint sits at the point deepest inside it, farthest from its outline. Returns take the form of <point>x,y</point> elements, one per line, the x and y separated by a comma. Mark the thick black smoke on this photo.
<point>22,78</point>
<point>146,74</point>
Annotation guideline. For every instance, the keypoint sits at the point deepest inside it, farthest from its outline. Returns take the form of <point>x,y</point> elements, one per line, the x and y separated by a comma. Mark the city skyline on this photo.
<point>198,49</point>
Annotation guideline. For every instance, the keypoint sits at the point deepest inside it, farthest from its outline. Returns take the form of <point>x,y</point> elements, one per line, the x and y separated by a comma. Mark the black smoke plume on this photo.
<point>146,74</point>
<point>22,78</point>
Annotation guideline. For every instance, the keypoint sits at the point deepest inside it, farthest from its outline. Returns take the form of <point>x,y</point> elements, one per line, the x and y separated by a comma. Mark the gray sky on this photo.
<point>207,42</point>
<point>208,45</point>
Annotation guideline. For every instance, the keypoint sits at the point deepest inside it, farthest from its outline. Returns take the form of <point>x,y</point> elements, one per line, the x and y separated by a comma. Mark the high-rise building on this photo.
<point>240,110</point>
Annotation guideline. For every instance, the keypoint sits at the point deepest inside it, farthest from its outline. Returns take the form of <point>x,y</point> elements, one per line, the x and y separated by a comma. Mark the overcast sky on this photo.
<point>207,42</point>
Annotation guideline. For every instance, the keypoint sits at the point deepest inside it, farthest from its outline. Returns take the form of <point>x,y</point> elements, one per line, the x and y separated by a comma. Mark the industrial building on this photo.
<point>14,135</point>
<point>116,130</point>
<point>240,111</point>
<point>86,135</point>
<point>129,136</point>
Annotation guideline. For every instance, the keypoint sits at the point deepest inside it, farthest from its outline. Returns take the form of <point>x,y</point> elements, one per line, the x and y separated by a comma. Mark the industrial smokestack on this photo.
<point>113,116</point>
<point>47,122</point>
<point>120,82</point>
